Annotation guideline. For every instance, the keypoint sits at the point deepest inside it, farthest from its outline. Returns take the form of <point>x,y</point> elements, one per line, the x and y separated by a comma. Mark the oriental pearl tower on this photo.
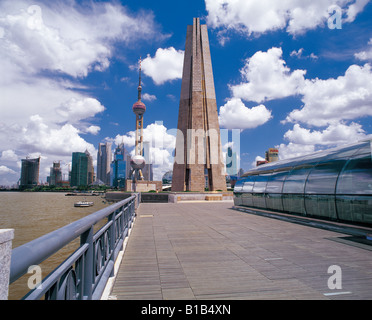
<point>138,161</point>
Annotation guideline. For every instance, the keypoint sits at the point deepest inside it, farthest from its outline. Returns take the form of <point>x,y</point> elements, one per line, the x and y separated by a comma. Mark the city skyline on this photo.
<point>291,76</point>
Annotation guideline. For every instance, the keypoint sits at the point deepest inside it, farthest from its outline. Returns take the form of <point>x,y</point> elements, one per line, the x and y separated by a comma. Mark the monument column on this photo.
<point>198,146</point>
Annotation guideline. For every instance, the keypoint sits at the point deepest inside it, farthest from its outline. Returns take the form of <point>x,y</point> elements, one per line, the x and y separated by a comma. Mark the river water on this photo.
<point>33,214</point>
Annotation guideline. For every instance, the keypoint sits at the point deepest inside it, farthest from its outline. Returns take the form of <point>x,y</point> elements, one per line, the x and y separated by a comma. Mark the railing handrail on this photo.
<point>38,250</point>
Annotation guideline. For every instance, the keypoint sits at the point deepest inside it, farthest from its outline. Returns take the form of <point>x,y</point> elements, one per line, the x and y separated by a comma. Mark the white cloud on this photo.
<point>266,77</point>
<point>165,66</point>
<point>365,55</point>
<point>235,115</point>
<point>62,38</point>
<point>79,109</point>
<point>354,9</point>
<point>299,54</point>
<point>9,155</point>
<point>304,141</point>
<point>347,97</point>
<point>148,97</point>
<point>39,136</point>
<point>292,150</point>
<point>329,104</point>
<point>334,134</point>
<point>43,45</point>
<point>260,16</point>
<point>93,130</point>
<point>6,170</point>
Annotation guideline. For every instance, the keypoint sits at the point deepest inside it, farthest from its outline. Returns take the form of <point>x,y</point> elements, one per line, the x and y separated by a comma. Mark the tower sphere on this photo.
<point>139,107</point>
<point>137,162</point>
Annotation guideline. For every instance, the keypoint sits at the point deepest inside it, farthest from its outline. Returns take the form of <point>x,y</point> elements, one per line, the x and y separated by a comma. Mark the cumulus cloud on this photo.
<point>292,150</point>
<point>331,105</point>
<point>165,66</point>
<point>39,136</point>
<point>78,109</point>
<point>347,97</point>
<point>6,170</point>
<point>303,141</point>
<point>62,38</point>
<point>335,134</point>
<point>235,115</point>
<point>148,97</point>
<point>266,77</point>
<point>93,130</point>
<point>355,8</point>
<point>260,16</point>
<point>299,54</point>
<point>9,155</point>
<point>365,55</point>
<point>46,49</point>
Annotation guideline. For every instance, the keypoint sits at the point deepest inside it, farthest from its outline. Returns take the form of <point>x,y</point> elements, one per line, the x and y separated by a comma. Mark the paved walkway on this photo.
<point>206,250</point>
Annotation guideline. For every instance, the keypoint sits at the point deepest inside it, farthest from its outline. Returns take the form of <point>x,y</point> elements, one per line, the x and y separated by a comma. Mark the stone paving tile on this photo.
<point>209,251</point>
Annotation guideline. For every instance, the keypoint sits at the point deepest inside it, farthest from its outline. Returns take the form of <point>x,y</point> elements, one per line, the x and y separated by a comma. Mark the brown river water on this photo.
<point>33,214</point>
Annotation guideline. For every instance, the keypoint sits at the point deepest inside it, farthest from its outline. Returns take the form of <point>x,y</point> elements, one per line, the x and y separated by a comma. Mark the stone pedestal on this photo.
<point>6,236</point>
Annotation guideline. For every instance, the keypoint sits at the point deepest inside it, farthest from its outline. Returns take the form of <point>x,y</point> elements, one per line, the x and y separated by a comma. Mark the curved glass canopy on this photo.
<point>334,184</point>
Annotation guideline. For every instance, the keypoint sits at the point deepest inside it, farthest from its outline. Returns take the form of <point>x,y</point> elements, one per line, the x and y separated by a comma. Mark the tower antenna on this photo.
<point>140,80</point>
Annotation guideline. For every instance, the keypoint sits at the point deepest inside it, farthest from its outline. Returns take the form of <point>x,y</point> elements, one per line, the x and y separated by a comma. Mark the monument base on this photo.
<point>175,197</point>
<point>144,186</point>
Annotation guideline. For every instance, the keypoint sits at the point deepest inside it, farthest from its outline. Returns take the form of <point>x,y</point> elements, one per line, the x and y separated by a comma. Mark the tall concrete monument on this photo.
<point>198,157</point>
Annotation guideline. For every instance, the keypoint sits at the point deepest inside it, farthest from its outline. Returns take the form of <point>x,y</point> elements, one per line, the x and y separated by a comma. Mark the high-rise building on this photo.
<point>29,173</point>
<point>91,175</point>
<point>147,171</point>
<point>55,177</point>
<point>272,155</point>
<point>104,158</point>
<point>128,170</point>
<point>82,171</point>
<point>118,167</point>
<point>201,161</point>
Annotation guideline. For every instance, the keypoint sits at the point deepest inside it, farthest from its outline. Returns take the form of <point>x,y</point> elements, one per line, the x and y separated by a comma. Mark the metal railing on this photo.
<point>84,274</point>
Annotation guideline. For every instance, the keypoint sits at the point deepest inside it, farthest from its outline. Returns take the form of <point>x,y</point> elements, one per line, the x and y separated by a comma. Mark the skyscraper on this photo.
<point>118,167</point>
<point>147,171</point>
<point>82,171</point>
<point>55,178</point>
<point>272,155</point>
<point>201,161</point>
<point>104,158</point>
<point>29,173</point>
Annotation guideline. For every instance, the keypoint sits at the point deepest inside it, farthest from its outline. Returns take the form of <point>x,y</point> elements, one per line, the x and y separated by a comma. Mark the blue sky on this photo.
<point>296,76</point>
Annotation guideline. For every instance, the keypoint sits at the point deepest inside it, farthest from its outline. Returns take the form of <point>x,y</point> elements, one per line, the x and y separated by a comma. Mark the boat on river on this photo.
<point>83,204</point>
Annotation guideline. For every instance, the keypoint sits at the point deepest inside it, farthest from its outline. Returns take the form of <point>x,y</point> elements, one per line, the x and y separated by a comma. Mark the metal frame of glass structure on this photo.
<point>335,184</point>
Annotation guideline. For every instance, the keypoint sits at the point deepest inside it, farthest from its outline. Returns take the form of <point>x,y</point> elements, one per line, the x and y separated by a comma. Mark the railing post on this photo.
<point>112,238</point>
<point>6,236</point>
<point>87,237</point>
